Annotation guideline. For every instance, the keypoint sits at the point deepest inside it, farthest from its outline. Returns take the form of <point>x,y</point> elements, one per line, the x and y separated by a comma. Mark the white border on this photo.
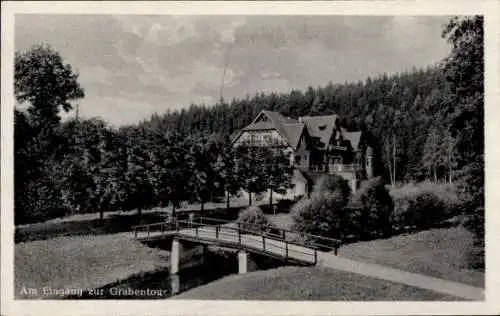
<point>490,9</point>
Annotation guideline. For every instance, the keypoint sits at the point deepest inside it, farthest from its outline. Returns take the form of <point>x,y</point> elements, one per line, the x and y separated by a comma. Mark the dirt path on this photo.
<point>390,274</point>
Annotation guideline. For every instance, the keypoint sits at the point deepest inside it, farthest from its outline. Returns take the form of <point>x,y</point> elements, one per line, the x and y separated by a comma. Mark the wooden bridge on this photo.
<point>279,243</point>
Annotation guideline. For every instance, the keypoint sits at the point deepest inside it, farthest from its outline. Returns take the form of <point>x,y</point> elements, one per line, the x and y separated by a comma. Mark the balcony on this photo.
<point>331,168</point>
<point>343,168</point>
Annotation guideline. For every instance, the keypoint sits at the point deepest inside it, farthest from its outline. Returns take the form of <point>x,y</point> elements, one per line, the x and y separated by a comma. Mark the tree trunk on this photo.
<point>227,200</point>
<point>450,168</point>
<point>101,215</point>
<point>271,200</point>
<point>394,158</point>
<point>202,208</point>
<point>249,198</point>
<point>173,209</point>
<point>387,149</point>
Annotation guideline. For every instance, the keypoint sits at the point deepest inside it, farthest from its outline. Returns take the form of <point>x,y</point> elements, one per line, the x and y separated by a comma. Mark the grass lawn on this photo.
<point>83,262</point>
<point>309,283</point>
<point>439,253</point>
<point>236,202</point>
<point>117,222</point>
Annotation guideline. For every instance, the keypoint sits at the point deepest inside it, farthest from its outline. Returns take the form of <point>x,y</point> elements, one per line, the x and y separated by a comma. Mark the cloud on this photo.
<point>134,65</point>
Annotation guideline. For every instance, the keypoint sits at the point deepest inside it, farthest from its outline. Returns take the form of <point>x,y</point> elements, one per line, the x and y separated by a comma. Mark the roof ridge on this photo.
<point>314,116</point>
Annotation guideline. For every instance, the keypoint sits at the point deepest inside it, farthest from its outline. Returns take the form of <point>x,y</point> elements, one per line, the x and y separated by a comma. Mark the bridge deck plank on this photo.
<point>230,236</point>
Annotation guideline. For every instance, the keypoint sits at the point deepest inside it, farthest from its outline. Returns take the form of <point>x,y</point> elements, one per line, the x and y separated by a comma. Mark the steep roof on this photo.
<point>259,126</point>
<point>320,126</point>
<point>288,128</point>
<point>278,117</point>
<point>293,132</point>
<point>352,137</point>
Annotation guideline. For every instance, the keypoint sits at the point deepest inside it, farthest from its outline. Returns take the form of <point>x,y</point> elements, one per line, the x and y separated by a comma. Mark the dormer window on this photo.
<point>322,127</point>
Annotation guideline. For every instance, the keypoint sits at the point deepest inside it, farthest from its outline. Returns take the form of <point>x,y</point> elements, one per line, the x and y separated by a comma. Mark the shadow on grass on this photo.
<point>113,224</point>
<point>119,223</point>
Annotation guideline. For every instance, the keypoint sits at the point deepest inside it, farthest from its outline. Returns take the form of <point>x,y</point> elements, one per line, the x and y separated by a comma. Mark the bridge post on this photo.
<point>242,262</point>
<point>175,256</point>
<point>245,263</point>
<point>175,283</point>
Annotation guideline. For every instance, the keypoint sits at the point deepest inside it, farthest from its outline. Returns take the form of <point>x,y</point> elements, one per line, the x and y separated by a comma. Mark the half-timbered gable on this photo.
<point>315,144</point>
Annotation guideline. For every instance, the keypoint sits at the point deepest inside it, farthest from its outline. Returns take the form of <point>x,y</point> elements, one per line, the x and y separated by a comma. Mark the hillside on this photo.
<point>439,253</point>
<point>83,262</point>
<point>310,283</point>
<point>371,106</point>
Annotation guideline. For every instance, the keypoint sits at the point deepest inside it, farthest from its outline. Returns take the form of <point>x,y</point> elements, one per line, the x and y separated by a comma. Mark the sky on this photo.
<point>132,66</point>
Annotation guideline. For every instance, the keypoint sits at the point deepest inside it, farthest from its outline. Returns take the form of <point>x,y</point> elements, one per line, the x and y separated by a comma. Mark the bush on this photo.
<point>406,195</point>
<point>371,210</point>
<point>421,210</point>
<point>425,211</point>
<point>332,184</point>
<point>475,224</point>
<point>321,214</point>
<point>253,219</point>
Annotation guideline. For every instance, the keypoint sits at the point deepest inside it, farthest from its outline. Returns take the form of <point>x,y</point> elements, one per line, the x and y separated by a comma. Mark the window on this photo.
<point>357,159</point>
<point>337,160</point>
<point>267,138</point>
<point>253,138</point>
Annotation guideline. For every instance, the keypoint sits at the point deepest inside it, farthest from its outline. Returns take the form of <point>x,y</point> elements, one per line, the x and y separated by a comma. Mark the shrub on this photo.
<point>253,219</point>
<point>371,209</point>
<point>406,195</point>
<point>321,214</point>
<point>425,211</point>
<point>332,184</point>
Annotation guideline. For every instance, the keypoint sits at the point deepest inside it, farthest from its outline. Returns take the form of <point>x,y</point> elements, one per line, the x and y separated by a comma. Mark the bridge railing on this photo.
<point>241,238</point>
<point>305,239</point>
<point>162,227</point>
<point>288,236</point>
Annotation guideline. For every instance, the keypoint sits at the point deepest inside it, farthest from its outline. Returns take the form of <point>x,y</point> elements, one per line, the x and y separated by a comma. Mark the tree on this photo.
<point>432,155</point>
<point>250,166</point>
<point>89,176</point>
<point>43,79</point>
<point>202,159</point>
<point>278,173</point>
<point>141,152</point>
<point>229,174</point>
<point>176,177</point>
<point>371,209</point>
<point>464,70</point>
<point>44,84</point>
<point>449,154</point>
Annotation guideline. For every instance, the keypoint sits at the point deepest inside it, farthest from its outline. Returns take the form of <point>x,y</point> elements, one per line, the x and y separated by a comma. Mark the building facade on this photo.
<point>317,145</point>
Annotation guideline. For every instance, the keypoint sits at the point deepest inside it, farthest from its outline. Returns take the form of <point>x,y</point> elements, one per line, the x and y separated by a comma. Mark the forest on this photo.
<point>423,123</point>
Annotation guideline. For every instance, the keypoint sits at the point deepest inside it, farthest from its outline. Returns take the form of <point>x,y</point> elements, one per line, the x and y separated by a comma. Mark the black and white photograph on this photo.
<point>247,157</point>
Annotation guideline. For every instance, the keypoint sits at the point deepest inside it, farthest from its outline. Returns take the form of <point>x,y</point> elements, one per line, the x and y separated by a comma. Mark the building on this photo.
<point>317,145</point>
